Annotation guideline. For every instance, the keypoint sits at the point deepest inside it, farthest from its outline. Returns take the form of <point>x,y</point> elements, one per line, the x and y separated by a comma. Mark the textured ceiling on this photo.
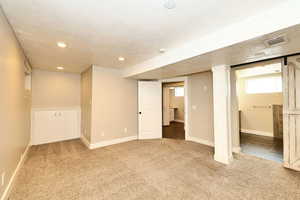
<point>98,32</point>
<point>244,52</point>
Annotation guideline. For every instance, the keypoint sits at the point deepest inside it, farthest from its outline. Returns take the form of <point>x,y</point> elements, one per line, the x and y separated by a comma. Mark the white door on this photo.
<point>291,113</point>
<point>150,109</point>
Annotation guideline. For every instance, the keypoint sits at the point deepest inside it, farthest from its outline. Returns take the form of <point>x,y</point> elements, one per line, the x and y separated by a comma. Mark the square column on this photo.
<point>222,112</point>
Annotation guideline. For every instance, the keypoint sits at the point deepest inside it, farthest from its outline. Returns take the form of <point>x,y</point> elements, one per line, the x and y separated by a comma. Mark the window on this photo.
<point>264,85</point>
<point>179,91</point>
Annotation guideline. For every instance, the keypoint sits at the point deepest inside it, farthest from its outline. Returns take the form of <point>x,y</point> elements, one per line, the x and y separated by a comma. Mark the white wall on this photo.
<point>14,103</point>
<point>200,95</point>
<point>114,106</point>
<point>55,89</point>
<point>55,106</point>
<point>257,120</point>
<point>171,101</point>
<point>86,103</point>
<point>177,102</point>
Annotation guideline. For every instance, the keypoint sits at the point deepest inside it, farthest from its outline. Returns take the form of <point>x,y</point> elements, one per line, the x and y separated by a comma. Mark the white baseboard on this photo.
<point>10,184</point>
<point>209,143</point>
<point>85,141</point>
<point>108,142</point>
<point>255,132</point>
<point>58,140</point>
<point>223,159</point>
<point>201,141</point>
<point>236,149</point>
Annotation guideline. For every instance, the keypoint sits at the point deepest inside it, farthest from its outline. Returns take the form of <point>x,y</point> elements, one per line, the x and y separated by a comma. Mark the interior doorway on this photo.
<point>173,110</point>
<point>260,103</point>
<point>151,113</point>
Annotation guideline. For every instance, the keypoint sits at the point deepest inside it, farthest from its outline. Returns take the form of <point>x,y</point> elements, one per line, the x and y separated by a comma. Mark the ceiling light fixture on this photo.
<point>121,58</point>
<point>162,50</point>
<point>169,4</point>
<point>60,68</point>
<point>61,44</point>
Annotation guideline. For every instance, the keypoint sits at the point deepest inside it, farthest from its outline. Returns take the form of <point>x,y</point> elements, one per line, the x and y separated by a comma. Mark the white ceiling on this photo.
<point>98,32</point>
<point>243,52</point>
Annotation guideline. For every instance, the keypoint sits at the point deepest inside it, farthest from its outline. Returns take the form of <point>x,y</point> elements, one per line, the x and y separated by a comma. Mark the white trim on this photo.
<point>236,149</point>
<point>109,142</point>
<point>176,79</point>
<point>223,159</point>
<point>222,113</point>
<point>256,132</point>
<point>85,141</point>
<point>178,120</point>
<point>201,141</point>
<point>211,144</point>
<point>10,184</point>
<point>58,140</point>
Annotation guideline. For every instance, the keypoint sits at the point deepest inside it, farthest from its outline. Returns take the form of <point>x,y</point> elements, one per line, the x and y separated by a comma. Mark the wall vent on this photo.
<point>276,41</point>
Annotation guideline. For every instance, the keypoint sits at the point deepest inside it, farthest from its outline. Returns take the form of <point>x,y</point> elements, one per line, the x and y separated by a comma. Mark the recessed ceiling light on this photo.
<point>61,44</point>
<point>60,68</point>
<point>121,58</point>
<point>169,4</point>
<point>162,50</point>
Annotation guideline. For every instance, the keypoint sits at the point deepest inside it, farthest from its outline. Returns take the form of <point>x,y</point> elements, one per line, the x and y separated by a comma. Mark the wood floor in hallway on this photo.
<point>148,170</point>
<point>174,131</point>
<point>263,147</point>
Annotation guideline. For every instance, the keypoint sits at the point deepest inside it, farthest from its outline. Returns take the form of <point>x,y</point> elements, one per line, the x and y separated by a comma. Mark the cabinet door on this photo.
<point>68,122</point>
<point>44,126</point>
<point>53,126</point>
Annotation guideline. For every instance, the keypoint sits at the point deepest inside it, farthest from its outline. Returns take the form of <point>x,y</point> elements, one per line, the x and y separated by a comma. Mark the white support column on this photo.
<point>222,111</point>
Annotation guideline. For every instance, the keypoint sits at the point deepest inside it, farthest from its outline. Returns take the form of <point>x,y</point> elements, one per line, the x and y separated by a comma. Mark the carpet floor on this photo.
<point>152,169</point>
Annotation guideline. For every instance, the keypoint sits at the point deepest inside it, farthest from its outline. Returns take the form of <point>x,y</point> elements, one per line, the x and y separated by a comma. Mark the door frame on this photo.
<point>235,133</point>
<point>186,100</point>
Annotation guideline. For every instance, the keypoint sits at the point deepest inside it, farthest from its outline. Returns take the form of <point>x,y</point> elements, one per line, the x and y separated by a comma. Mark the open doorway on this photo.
<point>260,103</point>
<point>173,110</point>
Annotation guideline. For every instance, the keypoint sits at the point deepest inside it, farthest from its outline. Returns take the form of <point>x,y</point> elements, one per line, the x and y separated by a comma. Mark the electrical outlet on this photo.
<point>2,178</point>
<point>125,130</point>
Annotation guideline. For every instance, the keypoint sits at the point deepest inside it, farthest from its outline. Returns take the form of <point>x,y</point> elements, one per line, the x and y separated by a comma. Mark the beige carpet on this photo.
<point>155,169</point>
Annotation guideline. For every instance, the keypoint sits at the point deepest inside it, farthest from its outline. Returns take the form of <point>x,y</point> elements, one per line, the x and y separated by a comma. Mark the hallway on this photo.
<point>174,131</point>
<point>262,147</point>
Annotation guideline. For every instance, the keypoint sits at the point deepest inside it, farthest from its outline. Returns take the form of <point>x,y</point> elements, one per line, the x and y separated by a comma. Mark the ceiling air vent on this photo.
<point>276,41</point>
